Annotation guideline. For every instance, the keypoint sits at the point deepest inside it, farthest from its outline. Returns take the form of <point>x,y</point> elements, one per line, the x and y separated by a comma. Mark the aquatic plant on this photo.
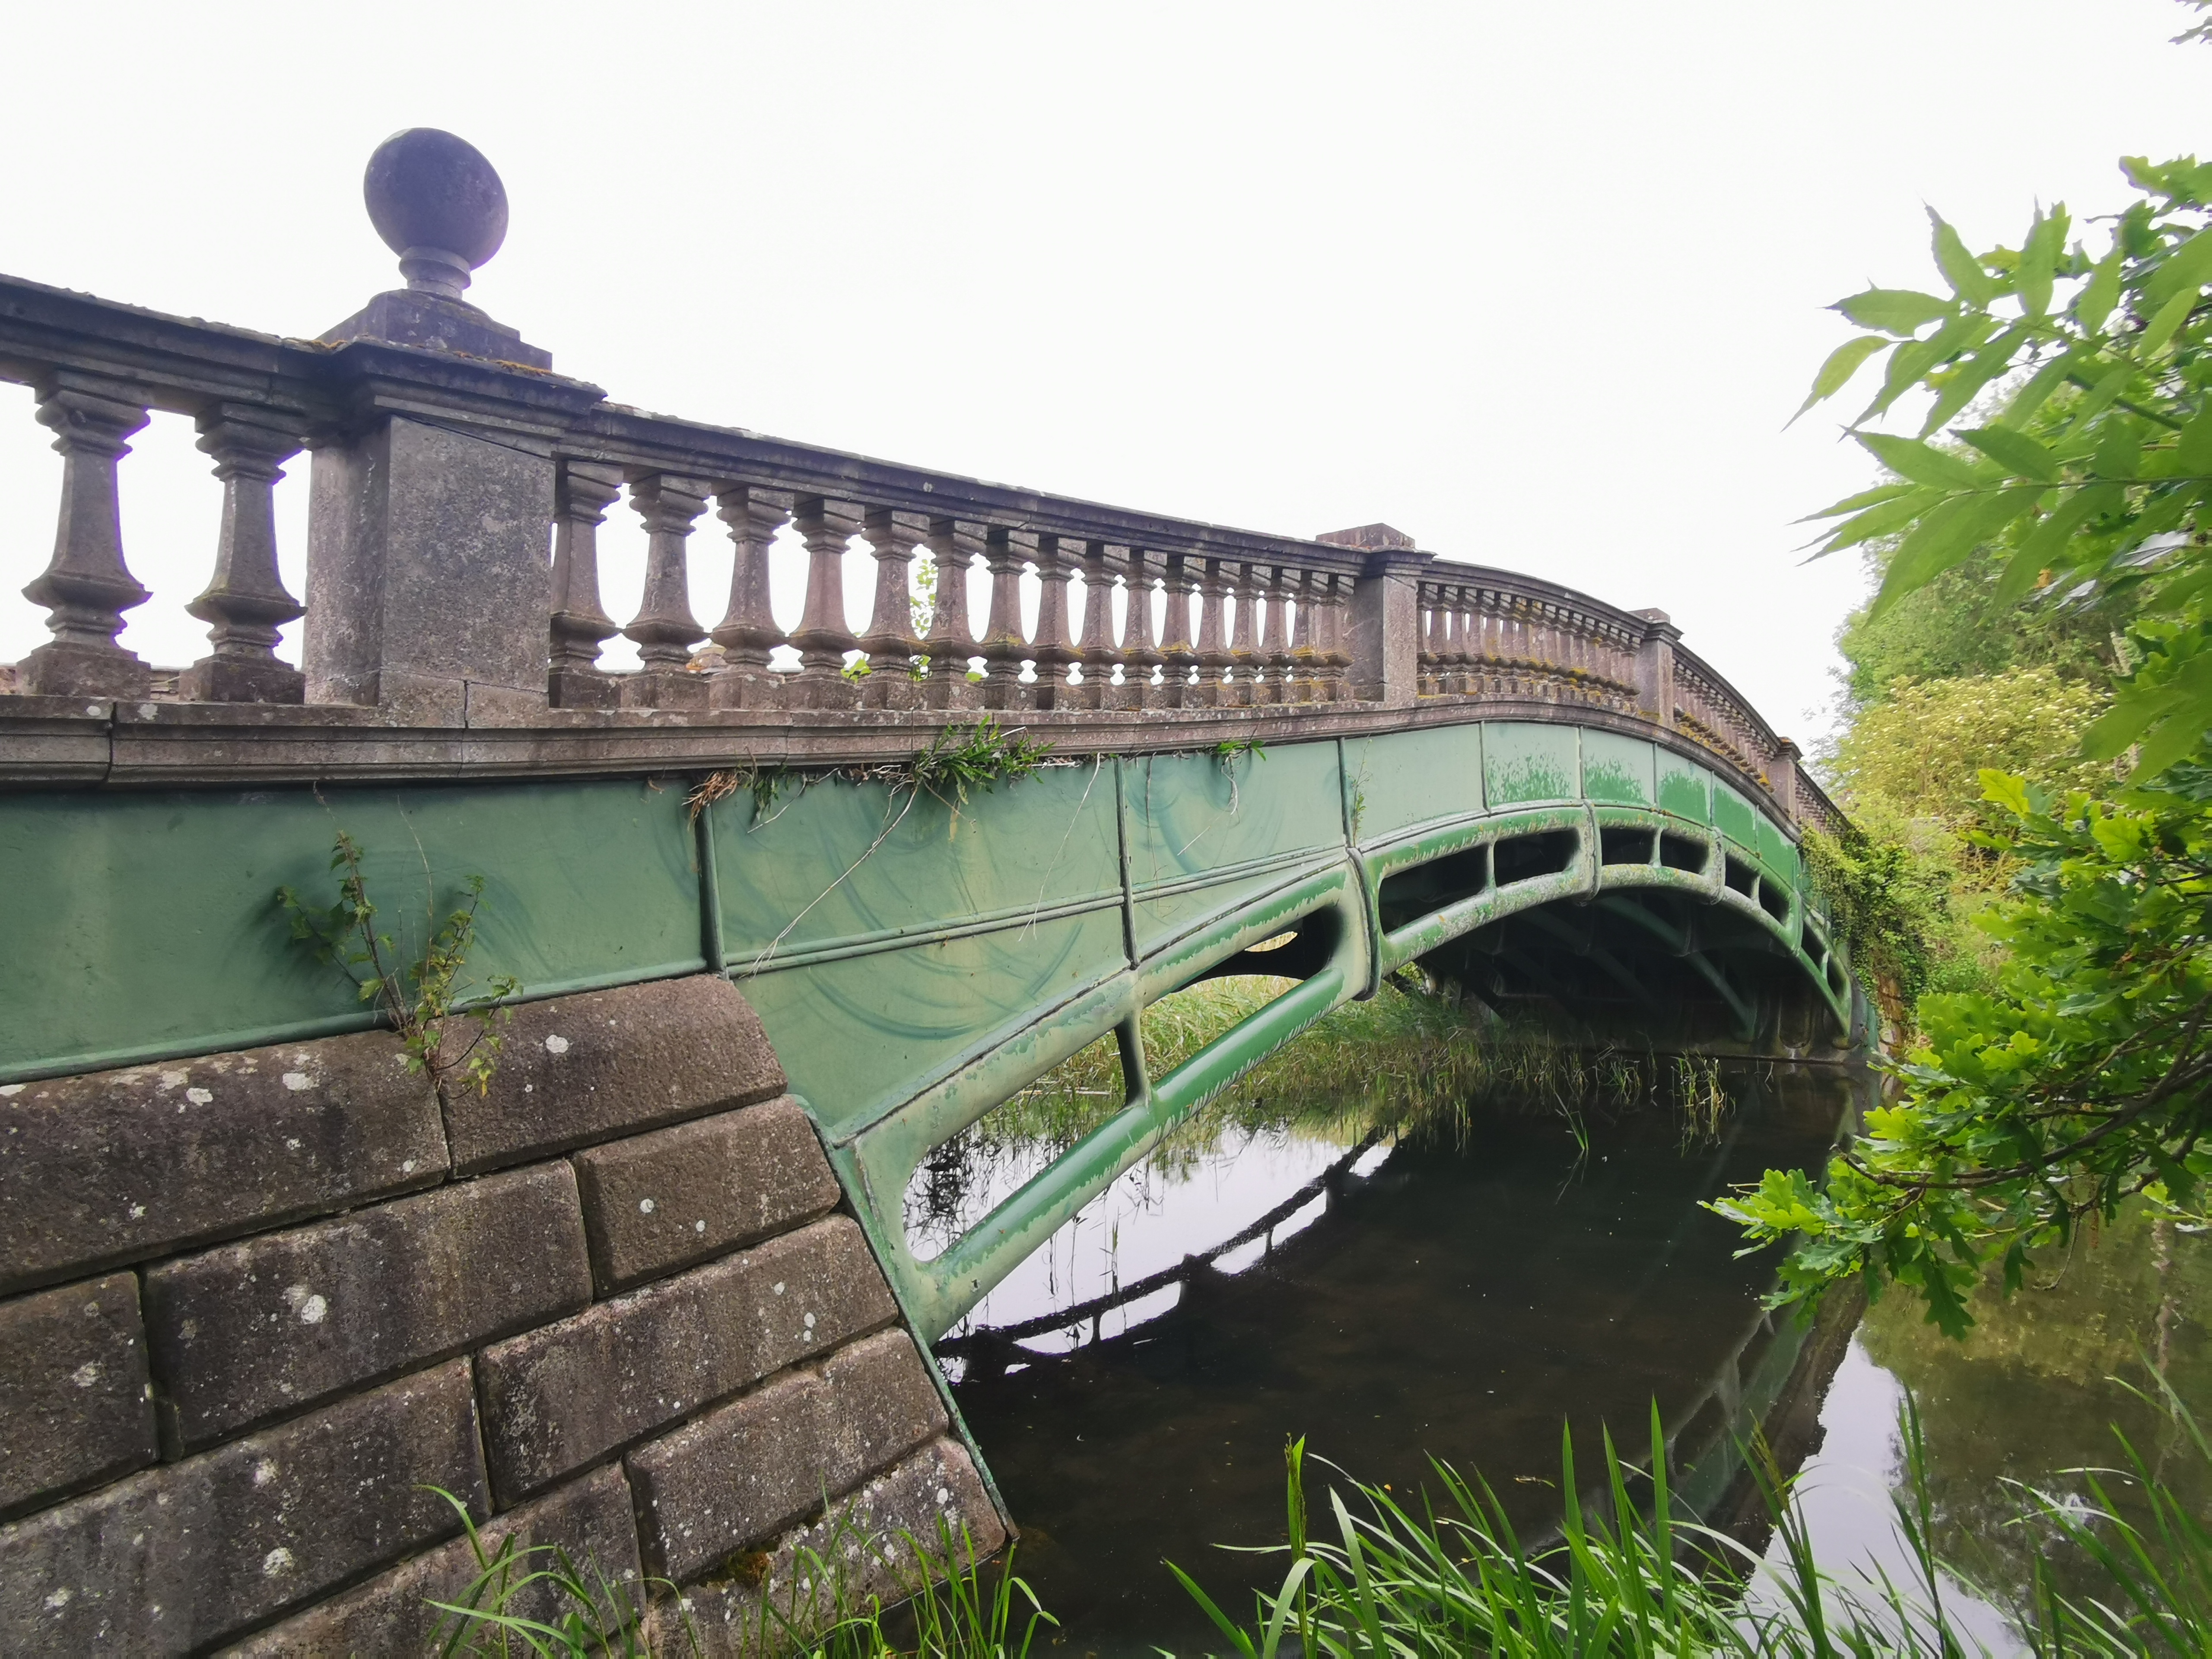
<point>1626,1575</point>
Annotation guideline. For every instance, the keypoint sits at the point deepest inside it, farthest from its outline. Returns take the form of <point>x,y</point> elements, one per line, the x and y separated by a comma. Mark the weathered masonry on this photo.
<point>650,1295</point>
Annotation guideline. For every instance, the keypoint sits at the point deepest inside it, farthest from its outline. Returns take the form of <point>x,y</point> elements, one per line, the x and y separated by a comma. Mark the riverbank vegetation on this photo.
<point>1371,1572</point>
<point>2041,951</point>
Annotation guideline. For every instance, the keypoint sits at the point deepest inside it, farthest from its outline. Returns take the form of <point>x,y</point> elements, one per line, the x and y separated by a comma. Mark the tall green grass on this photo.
<point>1627,1575</point>
<point>853,1596</point>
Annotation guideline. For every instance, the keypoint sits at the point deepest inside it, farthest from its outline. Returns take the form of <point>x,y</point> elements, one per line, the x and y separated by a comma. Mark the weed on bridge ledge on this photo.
<point>419,999</point>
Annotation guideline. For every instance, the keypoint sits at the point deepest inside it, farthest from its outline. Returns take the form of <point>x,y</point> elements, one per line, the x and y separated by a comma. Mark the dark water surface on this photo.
<point>1454,1300</point>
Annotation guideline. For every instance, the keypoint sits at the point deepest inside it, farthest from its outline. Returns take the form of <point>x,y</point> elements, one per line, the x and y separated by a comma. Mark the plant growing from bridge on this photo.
<point>419,999</point>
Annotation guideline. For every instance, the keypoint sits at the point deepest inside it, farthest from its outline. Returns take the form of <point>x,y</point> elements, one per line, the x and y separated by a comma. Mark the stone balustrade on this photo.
<point>454,581</point>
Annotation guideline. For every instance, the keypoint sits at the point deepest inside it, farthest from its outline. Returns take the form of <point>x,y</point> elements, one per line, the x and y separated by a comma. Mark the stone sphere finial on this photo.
<point>438,205</point>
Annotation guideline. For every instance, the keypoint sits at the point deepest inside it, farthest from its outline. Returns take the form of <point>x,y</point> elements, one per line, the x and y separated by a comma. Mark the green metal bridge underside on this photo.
<point>1607,880</point>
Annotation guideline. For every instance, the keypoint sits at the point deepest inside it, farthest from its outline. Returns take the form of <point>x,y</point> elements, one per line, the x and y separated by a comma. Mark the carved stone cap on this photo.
<point>439,205</point>
<point>1373,538</point>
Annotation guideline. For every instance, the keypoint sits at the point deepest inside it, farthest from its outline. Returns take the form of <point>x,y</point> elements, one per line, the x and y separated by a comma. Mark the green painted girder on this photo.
<point>914,965</point>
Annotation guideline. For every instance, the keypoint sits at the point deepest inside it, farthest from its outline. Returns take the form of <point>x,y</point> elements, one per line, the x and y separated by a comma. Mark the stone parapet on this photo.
<point>606,1305</point>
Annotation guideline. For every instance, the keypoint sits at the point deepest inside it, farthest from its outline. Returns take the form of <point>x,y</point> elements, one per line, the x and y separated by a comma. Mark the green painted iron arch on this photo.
<point>916,977</point>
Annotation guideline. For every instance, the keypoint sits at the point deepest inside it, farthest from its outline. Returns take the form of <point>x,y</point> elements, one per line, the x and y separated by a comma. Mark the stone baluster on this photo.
<point>1328,607</point>
<point>1096,649</point>
<point>1301,683</point>
<point>1452,654</point>
<point>1475,638</point>
<point>1053,650</point>
<point>1139,656</point>
<point>891,641</point>
<point>1244,646</point>
<point>823,636</point>
<point>1334,621</point>
<point>1275,638</point>
<point>1212,648</point>
<point>1003,646</point>
<point>1177,654</point>
<point>1430,608</point>
<point>247,603</point>
<point>580,625</point>
<point>748,633</point>
<point>86,587</point>
<point>953,545</point>
<point>663,628</point>
<point>1447,637</point>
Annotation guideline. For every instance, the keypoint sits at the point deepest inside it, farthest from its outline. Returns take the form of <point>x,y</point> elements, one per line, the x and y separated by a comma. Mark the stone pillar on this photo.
<point>663,628</point>
<point>1139,656</point>
<point>954,545</point>
<point>1244,645</point>
<point>1096,648</point>
<point>1176,651</point>
<point>1782,777</point>
<point>429,589</point>
<point>1213,652</point>
<point>1002,644</point>
<point>1053,650</point>
<point>821,635</point>
<point>246,601</point>
<point>1655,668</point>
<point>580,624</point>
<point>86,587</point>
<point>891,641</point>
<point>1275,638</point>
<point>1333,628</point>
<point>748,633</point>
<point>1386,628</point>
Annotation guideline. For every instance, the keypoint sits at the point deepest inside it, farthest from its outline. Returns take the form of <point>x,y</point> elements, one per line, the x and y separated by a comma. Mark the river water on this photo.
<point>1465,1296</point>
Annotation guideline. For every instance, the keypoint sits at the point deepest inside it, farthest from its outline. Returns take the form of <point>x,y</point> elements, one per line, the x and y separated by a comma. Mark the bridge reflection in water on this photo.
<point>1458,1300</point>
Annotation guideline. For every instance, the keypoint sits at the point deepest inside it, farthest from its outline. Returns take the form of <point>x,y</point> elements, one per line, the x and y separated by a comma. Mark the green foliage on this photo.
<point>419,999</point>
<point>2095,470</point>
<point>1955,626</point>
<point>1925,744</point>
<point>981,756</point>
<point>2077,1082</point>
<point>1889,899</point>
<point>1627,1576</point>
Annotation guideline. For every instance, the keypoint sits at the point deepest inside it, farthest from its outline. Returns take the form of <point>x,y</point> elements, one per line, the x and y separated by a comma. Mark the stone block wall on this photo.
<point>251,1305</point>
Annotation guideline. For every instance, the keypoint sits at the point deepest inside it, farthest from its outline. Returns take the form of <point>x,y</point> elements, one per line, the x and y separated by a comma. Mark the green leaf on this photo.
<point>2016,451</point>
<point>2032,397</point>
<point>2175,737</point>
<point>2166,324</point>
<point>1882,519</point>
<point>2121,453</point>
<point>1843,362</point>
<point>1898,311</point>
<point>2192,450</point>
<point>1947,536</point>
<point>1910,458</point>
<point>1991,361</point>
<point>2039,260</point>
<point>1860,502</point>
<point>1961,268</point>
<point>2096,300</point>
<point>2103,392</point>
<point>2184,272</point>
<point>2041,551</point>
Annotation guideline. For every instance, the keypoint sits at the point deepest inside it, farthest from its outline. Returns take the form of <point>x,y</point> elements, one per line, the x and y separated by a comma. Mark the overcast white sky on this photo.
<point>1539,283</point>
